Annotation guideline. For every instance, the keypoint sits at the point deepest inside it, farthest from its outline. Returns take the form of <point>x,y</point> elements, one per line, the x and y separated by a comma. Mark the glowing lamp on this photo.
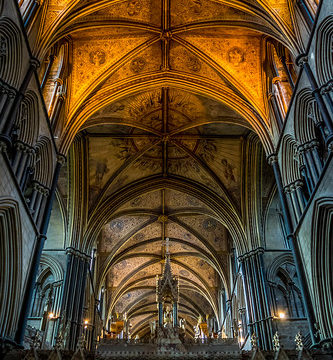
<point>282,315</point>
<point>51,315</point>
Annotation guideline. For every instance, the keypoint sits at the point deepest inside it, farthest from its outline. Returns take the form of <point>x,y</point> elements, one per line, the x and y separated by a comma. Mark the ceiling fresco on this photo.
<point>167,95</point>
<point>131,253</point>
<point>174,134</point>
<point>118,48</point>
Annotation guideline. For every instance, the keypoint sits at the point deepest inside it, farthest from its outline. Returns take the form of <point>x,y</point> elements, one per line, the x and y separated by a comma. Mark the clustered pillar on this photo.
<point>293,244</point>
<point>258,307</point>
<point>73,296</point>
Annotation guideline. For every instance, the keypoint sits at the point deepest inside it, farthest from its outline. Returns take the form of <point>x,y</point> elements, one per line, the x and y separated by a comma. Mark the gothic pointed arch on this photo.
<point>44,162</point>
<point>10,52</point>
<point>324,50</point>
<point>27,122</point>
<point>10,265</point>
<point>306,117</point>
<point>322,247</point>
<point>289,161</point>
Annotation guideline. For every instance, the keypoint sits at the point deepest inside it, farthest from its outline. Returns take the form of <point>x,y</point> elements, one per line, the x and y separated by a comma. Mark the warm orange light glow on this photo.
<point>86,321</point>
<point>282,315</point>
<point>51,315</point>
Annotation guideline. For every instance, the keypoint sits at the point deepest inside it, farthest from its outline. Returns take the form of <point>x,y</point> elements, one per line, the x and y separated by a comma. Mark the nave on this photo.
<point>166,179</point>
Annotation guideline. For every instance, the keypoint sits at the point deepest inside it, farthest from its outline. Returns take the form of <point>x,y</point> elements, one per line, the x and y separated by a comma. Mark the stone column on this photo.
<point>47,71</point>
<point>175,314</point>
<point>9,120</point>
<point>281,94</point>
<point>262,318</point>
<point>293,244</point>
<point>73,295</point>
<point>287,71</point>
<point>305,12</point>
<point>326,92</point>
<point>7,96</point>
<point>275,108</point>
<point>160,314</point>
<point>312,161</point>
<point>35,261</point>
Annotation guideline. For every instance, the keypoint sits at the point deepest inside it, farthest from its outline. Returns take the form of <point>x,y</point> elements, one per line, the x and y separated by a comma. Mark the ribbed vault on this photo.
<point>118,49</point>
<point>163,105</point>
<point>164,163</point>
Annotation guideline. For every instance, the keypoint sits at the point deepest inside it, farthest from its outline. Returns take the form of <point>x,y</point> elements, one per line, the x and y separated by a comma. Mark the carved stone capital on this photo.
<point>61,159</point>
<point>58,81</point>
<point>34,62</point>
<point>326,88</point>
<point>77,253</point>
<point>250,254</point>
<point>277,79</point>
<point>301,60</point>
<point>272,158</point>
<point>3,146</point>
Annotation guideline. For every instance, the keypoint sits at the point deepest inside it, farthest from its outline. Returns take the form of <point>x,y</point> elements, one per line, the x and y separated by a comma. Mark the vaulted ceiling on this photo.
<point>167,95</point>
<point>214,48</point>
<point>180,140</point>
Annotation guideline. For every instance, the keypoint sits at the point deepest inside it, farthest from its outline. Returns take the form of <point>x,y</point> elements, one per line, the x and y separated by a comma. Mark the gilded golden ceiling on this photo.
<point>168,95</point>
<point>210,47</point>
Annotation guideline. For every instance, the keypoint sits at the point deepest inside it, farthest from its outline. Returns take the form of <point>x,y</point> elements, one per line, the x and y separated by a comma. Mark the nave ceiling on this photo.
<point>162,102</point>
<point>116,49</point>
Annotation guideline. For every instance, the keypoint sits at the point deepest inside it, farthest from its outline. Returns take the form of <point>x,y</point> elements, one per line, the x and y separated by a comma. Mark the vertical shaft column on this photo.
<point>73,295</point>
<point>302,61</point>
<point>295,251</point>
<point>286,69</point>
<point>160,314</point>
<point>258,302</point>
<point>9,121</point>
<point>175,314</point>
<point>35,261</point>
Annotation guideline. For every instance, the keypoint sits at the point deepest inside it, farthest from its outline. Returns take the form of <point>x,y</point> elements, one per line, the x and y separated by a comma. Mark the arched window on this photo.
<point>284,287</point>
<point>291,176</point>
<point>24,137</point>
<point>322,249</point>
<point>10,265</point>
<point>324,51</point>
<point>10,53</point>
<point>310,140</point>
<point>43,295</point>
<point>38,189</point>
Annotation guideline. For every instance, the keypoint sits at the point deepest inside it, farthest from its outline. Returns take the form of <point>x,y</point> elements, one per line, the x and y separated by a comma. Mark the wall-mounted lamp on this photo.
<point>282,315</point>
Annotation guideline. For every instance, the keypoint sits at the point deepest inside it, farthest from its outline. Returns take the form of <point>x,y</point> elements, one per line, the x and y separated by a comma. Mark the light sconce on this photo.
<point>282,315</point>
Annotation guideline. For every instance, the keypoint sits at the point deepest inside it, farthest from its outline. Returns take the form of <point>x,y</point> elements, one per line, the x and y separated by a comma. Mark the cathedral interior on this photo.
<point>166,179</point>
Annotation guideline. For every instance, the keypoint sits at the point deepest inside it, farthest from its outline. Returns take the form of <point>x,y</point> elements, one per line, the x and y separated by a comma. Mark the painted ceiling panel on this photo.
<point>238,54</point>
<point>210,229</point>
<point>118,230</point>
<point>147,61</point>
<point>147,11</point>
<point>177,200</point>
<point>98,50</point>
<point>150,200</point>
<point>184,60</point>
<point>121,270</point>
